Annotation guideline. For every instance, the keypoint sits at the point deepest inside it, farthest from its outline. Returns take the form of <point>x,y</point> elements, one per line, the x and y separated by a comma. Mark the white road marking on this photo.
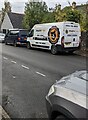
<point>14,77</point>
<point>5,58</point>
<point>13,62</point>
<point>41,74</point>
<point>25,67</point>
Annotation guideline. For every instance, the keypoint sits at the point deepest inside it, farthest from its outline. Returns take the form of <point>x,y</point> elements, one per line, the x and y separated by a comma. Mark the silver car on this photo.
<point>2,37</point>
<point>68,97</point>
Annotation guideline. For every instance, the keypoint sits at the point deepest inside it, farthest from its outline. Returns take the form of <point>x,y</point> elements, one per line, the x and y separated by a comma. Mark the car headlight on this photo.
<point>51,91</point>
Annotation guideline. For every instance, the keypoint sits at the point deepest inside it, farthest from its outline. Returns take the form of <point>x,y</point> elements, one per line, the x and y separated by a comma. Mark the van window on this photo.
<point>31,34</point>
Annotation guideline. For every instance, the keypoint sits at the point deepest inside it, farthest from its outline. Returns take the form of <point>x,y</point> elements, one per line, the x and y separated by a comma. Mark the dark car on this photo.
<point>68,97</point>
<point>16,37</point>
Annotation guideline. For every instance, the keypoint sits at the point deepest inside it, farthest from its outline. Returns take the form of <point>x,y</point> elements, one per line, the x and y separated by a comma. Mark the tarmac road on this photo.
<point>27,76</point>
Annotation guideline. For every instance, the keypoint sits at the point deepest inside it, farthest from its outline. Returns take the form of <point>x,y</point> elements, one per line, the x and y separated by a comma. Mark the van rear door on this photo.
<point>71,34</point>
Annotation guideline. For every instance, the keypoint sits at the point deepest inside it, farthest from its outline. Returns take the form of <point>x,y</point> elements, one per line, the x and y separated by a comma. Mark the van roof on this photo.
<point>55,23</point>
<point>67,22</point>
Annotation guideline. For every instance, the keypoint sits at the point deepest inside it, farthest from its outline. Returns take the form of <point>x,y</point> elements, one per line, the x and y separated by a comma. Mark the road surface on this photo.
<point>27,76</point>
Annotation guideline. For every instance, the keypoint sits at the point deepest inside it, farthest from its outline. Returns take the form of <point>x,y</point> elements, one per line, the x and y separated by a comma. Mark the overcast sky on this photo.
<point>18,5</point>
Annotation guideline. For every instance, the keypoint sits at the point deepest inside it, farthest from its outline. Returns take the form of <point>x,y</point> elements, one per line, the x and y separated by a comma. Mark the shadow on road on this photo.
<point>46,51</point>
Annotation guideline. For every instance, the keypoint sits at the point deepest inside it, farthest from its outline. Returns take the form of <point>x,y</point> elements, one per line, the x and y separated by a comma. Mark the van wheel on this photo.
<point>54,50</point>
<point>61,117</point>
<point>28,45</point>
<point>15,45</point>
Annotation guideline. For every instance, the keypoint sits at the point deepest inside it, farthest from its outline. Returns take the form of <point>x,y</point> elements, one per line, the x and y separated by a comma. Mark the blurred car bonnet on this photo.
<point>68,97</point>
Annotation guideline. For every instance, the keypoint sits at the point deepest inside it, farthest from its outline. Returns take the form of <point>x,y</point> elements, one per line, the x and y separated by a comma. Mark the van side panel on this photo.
<point>64,35</point>
<point>40,38</point>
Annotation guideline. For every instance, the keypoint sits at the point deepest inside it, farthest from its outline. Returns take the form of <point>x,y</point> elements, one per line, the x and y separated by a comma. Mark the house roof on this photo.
<point>16,19</point>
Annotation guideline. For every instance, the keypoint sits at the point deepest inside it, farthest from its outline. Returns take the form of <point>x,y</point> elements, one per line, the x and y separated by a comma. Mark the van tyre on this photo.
<point>61,117</point>
<point>28,45</point>
<point>54,50</point>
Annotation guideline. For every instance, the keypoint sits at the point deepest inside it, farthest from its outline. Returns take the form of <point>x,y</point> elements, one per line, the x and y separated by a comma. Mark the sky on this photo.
<point>18,5</point>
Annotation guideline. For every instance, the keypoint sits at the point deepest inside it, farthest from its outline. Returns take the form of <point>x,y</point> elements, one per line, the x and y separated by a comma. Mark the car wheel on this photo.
<point>28,45</point>
<point>61,117</point>
<point>54,50</point>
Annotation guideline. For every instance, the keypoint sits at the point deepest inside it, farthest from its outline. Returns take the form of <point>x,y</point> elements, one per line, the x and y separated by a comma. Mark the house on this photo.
<point>12,21</point>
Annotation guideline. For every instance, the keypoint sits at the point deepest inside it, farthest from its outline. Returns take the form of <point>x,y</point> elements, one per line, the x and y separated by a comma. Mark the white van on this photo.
<point>60,36</point>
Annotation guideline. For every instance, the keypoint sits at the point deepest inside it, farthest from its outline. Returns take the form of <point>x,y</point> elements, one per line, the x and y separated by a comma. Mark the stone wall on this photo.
<point>84,38</point>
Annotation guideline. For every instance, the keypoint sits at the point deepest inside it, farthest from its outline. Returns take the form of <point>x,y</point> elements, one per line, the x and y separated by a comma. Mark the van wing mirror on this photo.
<point>31,33</point>
<point>28,34</point>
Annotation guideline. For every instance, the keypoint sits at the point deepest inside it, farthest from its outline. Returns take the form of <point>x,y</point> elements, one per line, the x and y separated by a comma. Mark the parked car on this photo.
<point>2,37</point>
<point>16,37</point>
<point>67,98</point>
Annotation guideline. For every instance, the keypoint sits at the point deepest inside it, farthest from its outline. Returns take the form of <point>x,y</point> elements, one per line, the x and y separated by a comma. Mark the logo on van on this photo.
<point>53,34</point>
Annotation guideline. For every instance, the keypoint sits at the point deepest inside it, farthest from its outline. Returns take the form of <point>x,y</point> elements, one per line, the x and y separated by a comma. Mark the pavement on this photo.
<point>3,114</point>
<point>27,76</point>
<point>83,53</point>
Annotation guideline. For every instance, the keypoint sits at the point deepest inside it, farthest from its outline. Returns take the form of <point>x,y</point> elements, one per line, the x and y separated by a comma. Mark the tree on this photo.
<point>73,16</point>
<point>49,17</point>
<point>59,14</point>
<point>6,9</point>
<point>86,21</point>
<point>67,14</point>
<point>34,13</point>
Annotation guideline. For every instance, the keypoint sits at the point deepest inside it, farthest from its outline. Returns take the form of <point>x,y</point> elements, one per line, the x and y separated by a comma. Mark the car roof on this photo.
<point>77,81</point>
<point>18,30</point>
